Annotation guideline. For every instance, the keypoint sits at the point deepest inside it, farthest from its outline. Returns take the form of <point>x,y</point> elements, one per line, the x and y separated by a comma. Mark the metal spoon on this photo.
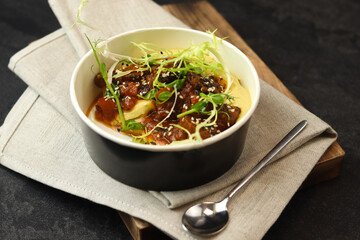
<point>208,217</point>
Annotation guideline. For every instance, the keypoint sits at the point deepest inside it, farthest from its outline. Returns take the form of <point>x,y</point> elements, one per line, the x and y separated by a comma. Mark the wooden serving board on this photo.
<point>202,16</point>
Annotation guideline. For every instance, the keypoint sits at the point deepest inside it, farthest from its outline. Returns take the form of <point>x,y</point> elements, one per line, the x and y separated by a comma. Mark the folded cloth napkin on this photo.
<point>53,151</point>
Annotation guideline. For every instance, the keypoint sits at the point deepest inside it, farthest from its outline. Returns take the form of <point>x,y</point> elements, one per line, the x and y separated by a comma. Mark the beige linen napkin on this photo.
<point>53,151</point>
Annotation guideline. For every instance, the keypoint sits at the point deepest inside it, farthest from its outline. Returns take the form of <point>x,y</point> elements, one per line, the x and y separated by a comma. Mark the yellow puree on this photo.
<point>242,98</point>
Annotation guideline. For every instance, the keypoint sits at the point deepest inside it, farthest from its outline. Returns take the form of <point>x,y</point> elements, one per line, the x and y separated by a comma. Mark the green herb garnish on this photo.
<point>200,106</point>
<point>150,95</point>
<point>164,96</point>
<point>133,125</point>
<point>138,140</point>
<point>197,107</point>
<point>116,90</point>
<point>179,84</point>
<point>104,74</point>
<point>78,16</point>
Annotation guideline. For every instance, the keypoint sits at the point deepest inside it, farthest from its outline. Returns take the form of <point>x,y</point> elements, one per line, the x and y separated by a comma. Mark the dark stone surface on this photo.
<point>312,46</point>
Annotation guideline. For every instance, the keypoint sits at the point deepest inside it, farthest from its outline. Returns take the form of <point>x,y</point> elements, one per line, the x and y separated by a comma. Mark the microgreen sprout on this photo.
<point>164,96</point>
<point>104,74</point>
<point>113,92</point>
<point>196,108</point>
<point>138,140</point>
<point>121,73</point>
<point>190,136</point>
<point>133,125</point>
<point>109,95</point>
<point>150,95</point>
<point>78,16</point>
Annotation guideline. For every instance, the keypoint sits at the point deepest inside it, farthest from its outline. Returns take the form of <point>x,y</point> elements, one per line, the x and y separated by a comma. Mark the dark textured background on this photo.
<point>312,46</point>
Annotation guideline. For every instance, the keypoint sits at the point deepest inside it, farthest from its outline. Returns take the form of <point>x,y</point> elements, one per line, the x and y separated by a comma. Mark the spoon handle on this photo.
<point>290,136</point>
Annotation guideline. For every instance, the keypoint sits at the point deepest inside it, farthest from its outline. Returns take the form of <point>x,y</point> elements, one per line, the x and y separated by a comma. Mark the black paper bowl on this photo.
<point>153,167</point>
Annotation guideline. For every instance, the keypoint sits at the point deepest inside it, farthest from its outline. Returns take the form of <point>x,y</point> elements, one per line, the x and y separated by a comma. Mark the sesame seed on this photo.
<point>211,89</point>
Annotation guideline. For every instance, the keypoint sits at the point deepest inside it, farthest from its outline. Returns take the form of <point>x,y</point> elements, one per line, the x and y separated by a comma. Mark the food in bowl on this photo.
<point>168,96</point>
<point>161,167</point>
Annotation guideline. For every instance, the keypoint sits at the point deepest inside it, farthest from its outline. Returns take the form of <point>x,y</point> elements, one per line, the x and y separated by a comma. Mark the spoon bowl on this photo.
<point>206,218</point>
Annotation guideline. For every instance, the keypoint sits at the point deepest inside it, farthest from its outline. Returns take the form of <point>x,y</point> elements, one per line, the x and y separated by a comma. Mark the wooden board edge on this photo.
<point>140,229</point>
<point>323,172</point>
<point>134,225</point>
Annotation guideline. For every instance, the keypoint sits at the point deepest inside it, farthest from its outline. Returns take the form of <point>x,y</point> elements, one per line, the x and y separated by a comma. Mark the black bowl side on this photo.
<point>165,171</point>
